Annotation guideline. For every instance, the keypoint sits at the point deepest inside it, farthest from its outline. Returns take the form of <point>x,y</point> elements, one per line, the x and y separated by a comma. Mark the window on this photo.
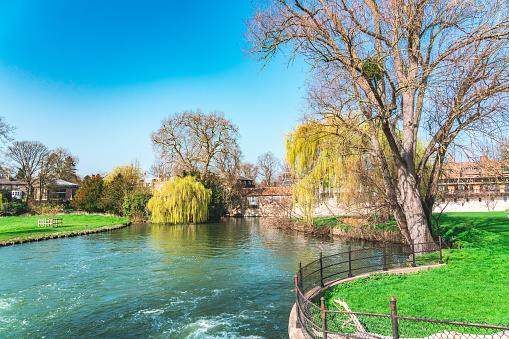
<point>252,201</point>
<point>449,171</point>
<point>505,199</point>
<point>441,188</point>
<point>480,199</point>
<point>462,187</point>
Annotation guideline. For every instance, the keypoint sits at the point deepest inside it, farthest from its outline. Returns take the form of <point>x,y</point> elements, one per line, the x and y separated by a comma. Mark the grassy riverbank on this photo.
<point>474,286</point>
<point>23,229</point>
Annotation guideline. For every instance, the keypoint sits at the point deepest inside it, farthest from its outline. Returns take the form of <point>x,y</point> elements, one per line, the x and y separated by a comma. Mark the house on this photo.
<point>62,190</point>
<point>17,188</point>
<point>474,186</point>
<point>267,201</point>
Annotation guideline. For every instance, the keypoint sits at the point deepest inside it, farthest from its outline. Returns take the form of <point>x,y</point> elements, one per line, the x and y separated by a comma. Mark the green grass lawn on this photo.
<point>26,227</point>
<point>474,286</point>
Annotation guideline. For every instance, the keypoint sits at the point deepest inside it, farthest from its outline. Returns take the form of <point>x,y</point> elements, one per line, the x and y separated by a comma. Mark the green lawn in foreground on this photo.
<point>25,227</point>
<point>474,286</point>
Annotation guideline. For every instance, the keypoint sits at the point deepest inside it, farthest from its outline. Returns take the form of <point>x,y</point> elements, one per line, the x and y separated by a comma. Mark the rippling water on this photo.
<point>218,280</point>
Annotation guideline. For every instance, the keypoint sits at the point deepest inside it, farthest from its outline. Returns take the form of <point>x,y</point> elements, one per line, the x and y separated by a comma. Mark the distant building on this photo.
<point>61,191</point>
<point>267,201</point>
<point>244,182</point>
<point>17,188</point>
<point>474,185</point>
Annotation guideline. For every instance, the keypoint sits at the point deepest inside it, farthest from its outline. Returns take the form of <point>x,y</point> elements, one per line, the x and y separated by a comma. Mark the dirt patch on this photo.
<point>370,234</point>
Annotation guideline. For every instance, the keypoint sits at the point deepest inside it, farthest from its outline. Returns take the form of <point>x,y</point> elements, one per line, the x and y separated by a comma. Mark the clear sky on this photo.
<point>97,77</point>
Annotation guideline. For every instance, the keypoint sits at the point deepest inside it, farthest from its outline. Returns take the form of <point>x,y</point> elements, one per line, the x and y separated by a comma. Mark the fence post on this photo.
<point>413,254</point>
<point>324,319</point>
<point>440,244</point>
<point>385,258</point>
<point>394,319</point>
<point>297,307</point>
<point>321,270</point>
<point>350,261</point>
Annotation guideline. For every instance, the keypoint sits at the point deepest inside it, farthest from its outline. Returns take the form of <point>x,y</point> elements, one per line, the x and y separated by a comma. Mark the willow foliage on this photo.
<point>328,162</point>
<point>180,200</point>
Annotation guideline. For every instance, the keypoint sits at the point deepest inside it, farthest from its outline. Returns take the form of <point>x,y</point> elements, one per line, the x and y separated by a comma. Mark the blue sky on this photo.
<point>97,77</point>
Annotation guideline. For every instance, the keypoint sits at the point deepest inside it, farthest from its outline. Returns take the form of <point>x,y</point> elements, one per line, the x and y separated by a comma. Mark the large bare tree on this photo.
<point>249,170</point>
<point>65,165</point>
<point>436,69</point>
<point>195,141</point>
<point>27,158</point>
<point>268,165</point>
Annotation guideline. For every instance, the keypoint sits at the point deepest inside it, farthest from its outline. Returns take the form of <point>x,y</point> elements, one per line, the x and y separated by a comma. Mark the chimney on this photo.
<point>483,158</point>
<point>450,160</point>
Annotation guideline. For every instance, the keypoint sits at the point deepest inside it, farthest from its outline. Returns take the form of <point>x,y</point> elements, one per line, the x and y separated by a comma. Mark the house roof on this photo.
<point>267,191</point>
<point>475,169</point>
<point>63,183</point>
<point>12,182</point>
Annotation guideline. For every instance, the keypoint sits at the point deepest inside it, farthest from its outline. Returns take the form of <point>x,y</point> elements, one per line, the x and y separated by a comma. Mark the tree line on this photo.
<point>35,164</point>
<point>188,145</point>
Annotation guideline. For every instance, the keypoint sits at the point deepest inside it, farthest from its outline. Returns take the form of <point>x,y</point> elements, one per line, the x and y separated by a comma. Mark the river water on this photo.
<point>219,280</point>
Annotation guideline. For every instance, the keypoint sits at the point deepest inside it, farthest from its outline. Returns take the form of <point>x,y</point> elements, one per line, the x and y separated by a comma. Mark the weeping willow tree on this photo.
<point>180,200</point>
<point>333,160</point>
<point>329,163</point>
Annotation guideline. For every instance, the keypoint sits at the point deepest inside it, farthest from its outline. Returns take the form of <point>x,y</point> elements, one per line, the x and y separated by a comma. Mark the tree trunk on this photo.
<point>401,221</point>
<point>415,216</point>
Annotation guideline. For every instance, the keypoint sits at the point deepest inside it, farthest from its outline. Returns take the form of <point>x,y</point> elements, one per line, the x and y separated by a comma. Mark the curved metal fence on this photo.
<point>318,322</point>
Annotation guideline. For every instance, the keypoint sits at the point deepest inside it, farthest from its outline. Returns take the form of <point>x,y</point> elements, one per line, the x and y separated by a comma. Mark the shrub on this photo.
<point>135,204</point>
<point>13,208</point>
<point>47,208</point>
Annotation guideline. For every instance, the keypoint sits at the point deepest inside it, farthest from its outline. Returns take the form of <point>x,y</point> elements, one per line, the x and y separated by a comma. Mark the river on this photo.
<point>217,280</point>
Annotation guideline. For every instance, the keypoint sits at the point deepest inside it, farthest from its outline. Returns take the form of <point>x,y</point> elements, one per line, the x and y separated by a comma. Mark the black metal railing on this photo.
<point>318,322</point>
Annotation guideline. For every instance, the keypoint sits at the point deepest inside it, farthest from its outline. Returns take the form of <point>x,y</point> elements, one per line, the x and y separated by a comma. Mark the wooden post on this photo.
<point>324,319</point>
<point>394,319</point>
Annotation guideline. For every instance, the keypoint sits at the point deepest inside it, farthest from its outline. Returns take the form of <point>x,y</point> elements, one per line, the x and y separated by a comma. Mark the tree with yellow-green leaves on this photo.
<point>331,163</point>
<point>119,183</point>
<point>180,200</point>
<point>131,175</point>
<point>337,160</point>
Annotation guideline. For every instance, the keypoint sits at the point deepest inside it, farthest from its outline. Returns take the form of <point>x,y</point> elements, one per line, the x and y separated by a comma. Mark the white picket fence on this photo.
<point>50,222</point>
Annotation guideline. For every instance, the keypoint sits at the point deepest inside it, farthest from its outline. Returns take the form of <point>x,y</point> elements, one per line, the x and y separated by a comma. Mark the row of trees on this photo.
<point>205,146</point>
<point>120,192</point>
<point>195,142</point>
<point>35,164</point>
<point>39,166</point>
